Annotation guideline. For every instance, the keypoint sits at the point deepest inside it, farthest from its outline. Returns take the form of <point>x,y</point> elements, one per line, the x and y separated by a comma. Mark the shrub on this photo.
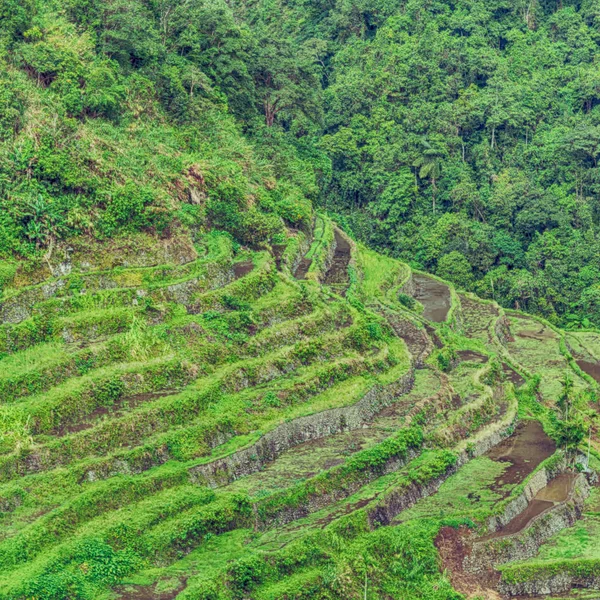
<point>407,301</point>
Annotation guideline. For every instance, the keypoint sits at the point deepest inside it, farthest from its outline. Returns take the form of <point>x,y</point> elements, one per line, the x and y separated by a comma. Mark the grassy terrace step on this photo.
<point>289,416</point>
<point>17,304</point>
<point>538,348</point>
<point>112,310</point>
<point>340,481</point>
<point>72,479</point>
<point>321,454</point>
<point>44,366</point>
<point>477,319</point>
<point>164,413</point>
<point>75,400</point>
<point>39,537</point>
<point>381,277</point>
<point>55,363</point>
<point>167,535</point>
<point>347,518</point>
<point>295,392</point>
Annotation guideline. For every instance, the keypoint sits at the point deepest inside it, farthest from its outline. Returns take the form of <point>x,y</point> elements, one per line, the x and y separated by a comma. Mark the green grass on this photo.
<point>465,494</point>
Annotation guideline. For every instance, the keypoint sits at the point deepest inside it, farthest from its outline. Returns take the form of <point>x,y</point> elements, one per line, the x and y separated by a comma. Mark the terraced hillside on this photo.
<point>195,419</point>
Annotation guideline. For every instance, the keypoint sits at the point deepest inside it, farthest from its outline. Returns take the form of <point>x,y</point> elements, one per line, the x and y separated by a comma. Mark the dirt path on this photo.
<point>434,296</point>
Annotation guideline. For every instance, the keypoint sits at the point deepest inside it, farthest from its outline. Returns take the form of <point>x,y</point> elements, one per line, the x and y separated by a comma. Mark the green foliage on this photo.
<point>446,358</point>
<point>407,301</point>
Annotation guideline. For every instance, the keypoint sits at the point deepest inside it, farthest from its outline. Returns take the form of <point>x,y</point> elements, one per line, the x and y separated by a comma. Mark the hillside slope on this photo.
<point>196,419</point>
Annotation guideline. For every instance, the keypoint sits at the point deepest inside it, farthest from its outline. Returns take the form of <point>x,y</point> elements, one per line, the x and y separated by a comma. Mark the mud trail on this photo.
<point>434,296</point>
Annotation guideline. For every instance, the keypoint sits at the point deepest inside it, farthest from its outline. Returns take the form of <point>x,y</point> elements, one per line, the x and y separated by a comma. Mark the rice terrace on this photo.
<point>299,300</point>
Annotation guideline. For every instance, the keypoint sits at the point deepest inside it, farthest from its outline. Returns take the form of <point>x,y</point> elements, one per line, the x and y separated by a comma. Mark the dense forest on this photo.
<point>462,137</point>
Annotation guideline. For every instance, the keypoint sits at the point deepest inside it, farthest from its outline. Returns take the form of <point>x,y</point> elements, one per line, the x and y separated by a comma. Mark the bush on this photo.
<point>407,301</point>
<point>126,209</point>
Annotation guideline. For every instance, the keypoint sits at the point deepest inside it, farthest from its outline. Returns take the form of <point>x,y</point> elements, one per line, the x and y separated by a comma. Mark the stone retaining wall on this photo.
<point>526,543</point>
<point>300,430</point>
<point>555,583</point>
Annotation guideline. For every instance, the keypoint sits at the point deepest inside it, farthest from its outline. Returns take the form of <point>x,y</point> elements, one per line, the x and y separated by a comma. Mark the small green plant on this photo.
<point>407,301</point>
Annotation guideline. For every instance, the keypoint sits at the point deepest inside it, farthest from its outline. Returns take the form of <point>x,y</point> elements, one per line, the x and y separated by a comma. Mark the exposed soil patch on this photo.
<point>434,336</point>
<point>415,343</point>
<point>470,356</point>
<point>512,375</point>
<point>115,410</point>
<point>544,333</point>
<point>242,268</point>
<point>525,449</point>
<point>302,268</point>
<point>338,272</point>
<point>278,250</point>
<point>146,592</point>
<point>453,548</point>
<point>592,369</point>
<point>434,296</point>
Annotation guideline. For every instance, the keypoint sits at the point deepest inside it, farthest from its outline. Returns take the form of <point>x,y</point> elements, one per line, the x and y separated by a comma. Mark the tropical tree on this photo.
<point>430,163</point>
